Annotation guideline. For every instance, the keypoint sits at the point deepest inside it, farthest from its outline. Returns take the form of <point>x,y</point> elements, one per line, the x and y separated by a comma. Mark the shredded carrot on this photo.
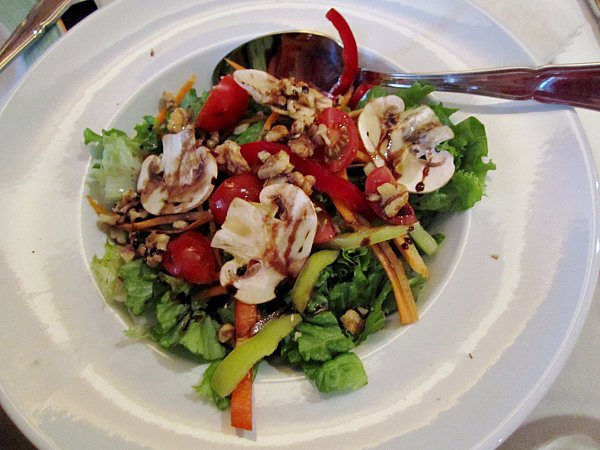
<point>346,98</point>
<point>271,120</point>
<point>235,65</point>
<point>214,291</point>
<point>241,398</point>
<point>407,309</point>
<point>162,115</point>
<point>199,217</point>
<point>241,404</point>
<point>412,256</point>
<point>97,207</point>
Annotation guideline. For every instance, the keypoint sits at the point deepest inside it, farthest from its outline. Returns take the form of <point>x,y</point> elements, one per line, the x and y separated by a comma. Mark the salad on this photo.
<point>264,218</point>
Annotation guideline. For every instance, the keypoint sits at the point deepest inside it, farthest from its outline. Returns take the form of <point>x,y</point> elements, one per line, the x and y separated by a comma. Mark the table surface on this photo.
<point>569,415</point>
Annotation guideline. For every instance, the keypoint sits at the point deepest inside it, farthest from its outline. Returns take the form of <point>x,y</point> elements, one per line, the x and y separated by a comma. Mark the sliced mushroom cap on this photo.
<point>375,122</point>
<point>269,241</point>
<point>420,176</point>
<point>407,141</point>
<point>178,180</point>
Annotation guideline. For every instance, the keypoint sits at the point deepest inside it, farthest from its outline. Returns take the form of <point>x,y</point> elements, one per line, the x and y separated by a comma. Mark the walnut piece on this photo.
<point>228,155</point>
<point>274,165</point>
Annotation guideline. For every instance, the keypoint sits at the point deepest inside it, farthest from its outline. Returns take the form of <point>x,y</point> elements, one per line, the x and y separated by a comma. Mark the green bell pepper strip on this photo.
<point>308,276</point>
<point>423,239</point>
<point>363,238</point>
<point>242,358</point>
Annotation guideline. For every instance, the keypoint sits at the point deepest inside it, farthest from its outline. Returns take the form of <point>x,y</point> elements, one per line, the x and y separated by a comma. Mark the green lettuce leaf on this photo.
<point>139,284</point>
<point>412,96</point>
<point>342,373</point>
<point>106,273</point>
<point>201,338</point>
<point>320,338</point>
<point>208,393</point>
<point>470,150</point>
<point>147,135</point>
<point>116,163</point>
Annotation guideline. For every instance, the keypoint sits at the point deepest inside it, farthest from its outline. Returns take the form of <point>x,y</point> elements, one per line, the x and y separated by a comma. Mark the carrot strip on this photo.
<point>241,398</point>
<point>162,115</point>
<point>346,98</point>
<point>214,291</point>
<point>199,217</point>
<point>412,256</point>
<point>97,207</point>
<point>407,308</point>
<point>234,65</point>
<point>241,404</point>
<point>271,120</point>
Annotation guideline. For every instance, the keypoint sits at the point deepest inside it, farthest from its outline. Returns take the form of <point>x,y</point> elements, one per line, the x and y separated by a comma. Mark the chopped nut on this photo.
<point>134,214</point>
<point>110,219</point>
<point>352,321</point>
<point>302,146</point>
<point>119,236</point>
<point>228,154</point>
<point>304,182</point>
<point>241,128</point>
<point>213,140</point>
<point>226,333</point>
<point>180,224</point>
<point>127,253</point>
<point>129,199</point>
<point>168,100</point>
<point>177,120</point>
<point>153,248</point>
<point>275,165</point>
<point>393,197</point>
<point>277,133</point>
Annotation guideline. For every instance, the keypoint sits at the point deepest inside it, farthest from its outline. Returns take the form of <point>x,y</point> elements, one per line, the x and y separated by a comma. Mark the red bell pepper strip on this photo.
<point>349,53</point>
<point>358,94</point>
<point>325,181</point>
<point>241,397</point>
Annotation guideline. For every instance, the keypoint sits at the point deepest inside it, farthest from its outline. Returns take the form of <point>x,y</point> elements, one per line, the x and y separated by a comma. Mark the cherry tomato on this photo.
<point>377,177</point>
<point>246,186</point>
<point>325,230</point>
<point>189,256</point>
<point>343,139</point>
<point>224,107</point>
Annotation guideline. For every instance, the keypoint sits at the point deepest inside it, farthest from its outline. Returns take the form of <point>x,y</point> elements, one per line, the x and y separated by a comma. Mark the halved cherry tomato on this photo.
<point>377,177</point>
<point>246,186</point>
<point>189,256</point>
<point>224,107</point>
<point>343,139</point>
<point>325,230</point>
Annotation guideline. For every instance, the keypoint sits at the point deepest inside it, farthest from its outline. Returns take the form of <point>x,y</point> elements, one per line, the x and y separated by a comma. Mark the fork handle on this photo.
<point>572,85</point>
<point>41,16</point>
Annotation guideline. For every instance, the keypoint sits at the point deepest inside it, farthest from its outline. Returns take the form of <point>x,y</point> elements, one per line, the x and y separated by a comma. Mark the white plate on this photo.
<point>509,291</point>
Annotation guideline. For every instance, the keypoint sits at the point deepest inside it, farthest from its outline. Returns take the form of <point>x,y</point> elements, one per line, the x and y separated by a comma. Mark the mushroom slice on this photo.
<point>375,124</point>
<point>407,141</point>
<point>269,241</point>
<point>287,96</point>
<point>178,180</point>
